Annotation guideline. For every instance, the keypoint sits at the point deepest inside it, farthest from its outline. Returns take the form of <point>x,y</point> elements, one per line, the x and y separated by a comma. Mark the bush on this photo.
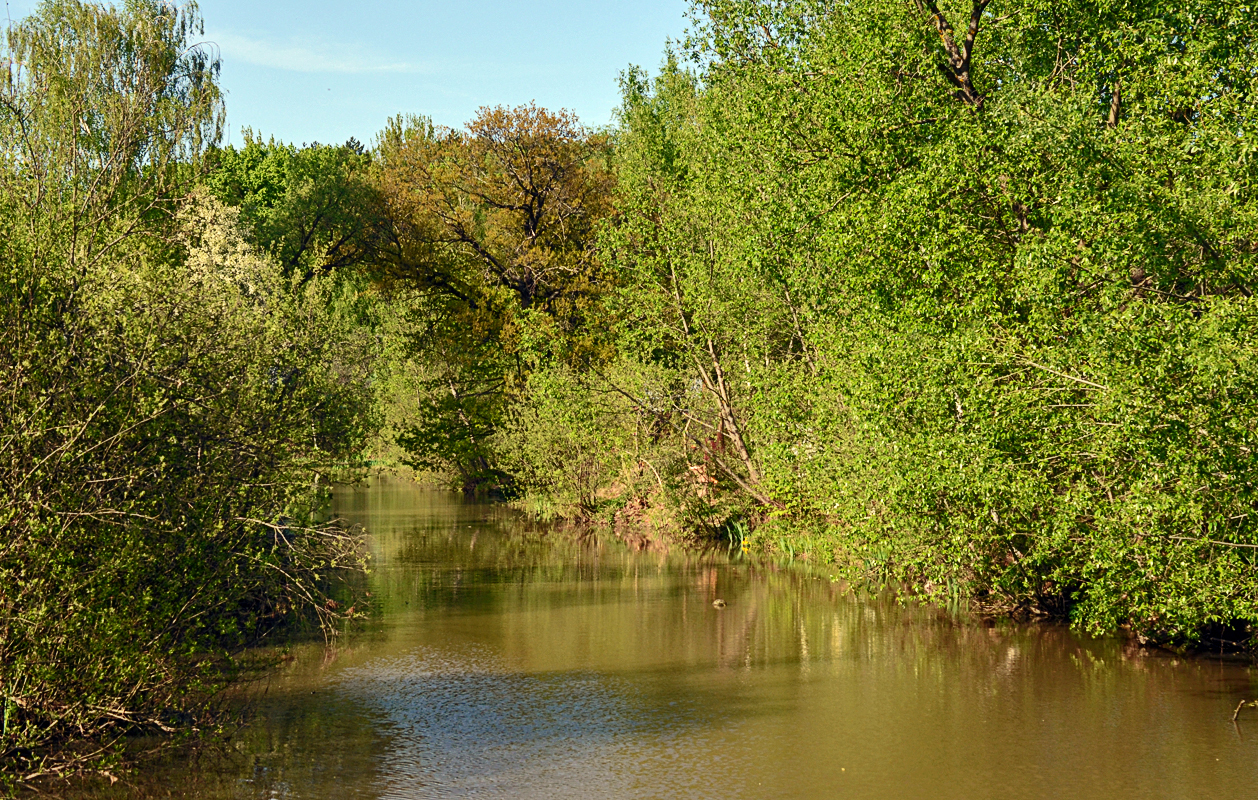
<point>170,399</point>
<point>163,430</point>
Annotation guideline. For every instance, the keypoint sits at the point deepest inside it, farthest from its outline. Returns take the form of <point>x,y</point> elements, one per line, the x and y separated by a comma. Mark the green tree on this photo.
<point>170,398</point>
<point>102,111</point>
<point>493,234</point>
<point>314,208</point>
<point>972,283</point>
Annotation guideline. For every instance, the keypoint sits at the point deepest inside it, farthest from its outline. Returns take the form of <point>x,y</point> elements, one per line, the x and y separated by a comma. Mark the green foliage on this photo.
<point>101,111</point>
<point>157,487</point>
<point>314,208</point>
<point>981,310</point>
<point>491,254</point>
<point>566,442</point>
<point>172,396</point>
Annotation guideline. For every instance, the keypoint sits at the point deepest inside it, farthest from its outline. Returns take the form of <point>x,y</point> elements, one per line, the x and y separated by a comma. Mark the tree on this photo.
<point>978,277</point>
<point>170,399</point>
<point>101,111</point>
<point>493,230</point>
<point>314,208</point>
<point>516,198</point>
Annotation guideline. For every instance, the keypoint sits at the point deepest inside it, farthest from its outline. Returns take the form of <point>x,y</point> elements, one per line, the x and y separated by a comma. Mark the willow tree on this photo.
<point>102,112</point>
<point>169,396</point>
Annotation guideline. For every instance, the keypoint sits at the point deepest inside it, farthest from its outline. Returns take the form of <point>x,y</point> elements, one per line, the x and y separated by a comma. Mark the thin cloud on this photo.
<point>322,57</point>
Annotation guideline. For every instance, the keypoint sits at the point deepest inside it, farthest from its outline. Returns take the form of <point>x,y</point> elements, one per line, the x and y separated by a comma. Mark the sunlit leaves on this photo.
<point>1002,345</point>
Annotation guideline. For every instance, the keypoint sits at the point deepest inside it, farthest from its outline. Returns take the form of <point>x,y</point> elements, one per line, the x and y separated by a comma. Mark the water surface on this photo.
<point>513,663</point>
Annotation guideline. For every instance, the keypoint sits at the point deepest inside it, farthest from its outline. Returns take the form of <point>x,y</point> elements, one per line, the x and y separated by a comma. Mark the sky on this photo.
<point>322,71</point>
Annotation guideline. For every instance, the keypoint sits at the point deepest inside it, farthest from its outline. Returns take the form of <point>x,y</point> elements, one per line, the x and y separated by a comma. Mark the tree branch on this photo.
<point>957,68</point>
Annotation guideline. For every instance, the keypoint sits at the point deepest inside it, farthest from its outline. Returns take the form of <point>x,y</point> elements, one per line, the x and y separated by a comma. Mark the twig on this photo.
<point>1212,541</point>
<point>1064,375</point>
<point>1241,705</point>
<point>658,479</point>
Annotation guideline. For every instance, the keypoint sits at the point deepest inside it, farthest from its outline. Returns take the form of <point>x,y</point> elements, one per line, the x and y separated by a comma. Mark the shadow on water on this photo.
<point>505,661</point>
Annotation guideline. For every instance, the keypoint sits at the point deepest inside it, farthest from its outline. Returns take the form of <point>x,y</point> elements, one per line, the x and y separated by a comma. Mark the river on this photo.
<point>507,662</point>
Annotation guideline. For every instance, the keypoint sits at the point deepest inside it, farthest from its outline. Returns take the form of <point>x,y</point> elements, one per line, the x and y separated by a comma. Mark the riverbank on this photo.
<point>508,662</point>
<point>656,522</point>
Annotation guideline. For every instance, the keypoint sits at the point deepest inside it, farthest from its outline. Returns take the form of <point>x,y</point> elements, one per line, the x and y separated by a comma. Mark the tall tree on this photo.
<point>315,208</point>
<point>494,228</point>
<point>978,277</point>
<point>101,112</point>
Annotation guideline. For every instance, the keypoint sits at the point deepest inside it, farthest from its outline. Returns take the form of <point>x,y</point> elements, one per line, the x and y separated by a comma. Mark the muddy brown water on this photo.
<point>511,663</point>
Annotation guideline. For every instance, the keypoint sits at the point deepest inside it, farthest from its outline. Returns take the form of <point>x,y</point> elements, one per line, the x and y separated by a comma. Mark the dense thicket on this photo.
<point>965,292</point>
<point>170,394</point>
<point>958,295</point>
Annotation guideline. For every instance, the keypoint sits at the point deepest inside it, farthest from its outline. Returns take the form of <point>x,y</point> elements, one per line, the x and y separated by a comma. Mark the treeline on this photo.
<point>956,296</point>
<point>968,292</point>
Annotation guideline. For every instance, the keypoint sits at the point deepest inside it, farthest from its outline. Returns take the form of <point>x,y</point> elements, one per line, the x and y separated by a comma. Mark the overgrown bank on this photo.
<point>171,397</point>
<point>959,296</point>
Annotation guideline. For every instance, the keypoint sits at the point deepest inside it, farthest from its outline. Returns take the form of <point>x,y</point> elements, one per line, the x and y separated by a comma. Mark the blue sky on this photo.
<point>322,71</point>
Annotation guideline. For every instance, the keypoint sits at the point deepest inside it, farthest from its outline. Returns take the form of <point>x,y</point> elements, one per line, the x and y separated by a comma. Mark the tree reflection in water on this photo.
<point>511,661</point>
